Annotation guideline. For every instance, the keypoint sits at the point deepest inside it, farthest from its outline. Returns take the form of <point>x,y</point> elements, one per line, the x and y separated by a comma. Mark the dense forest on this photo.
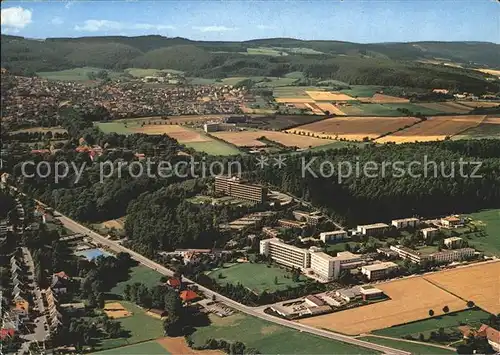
<point>379,64</point>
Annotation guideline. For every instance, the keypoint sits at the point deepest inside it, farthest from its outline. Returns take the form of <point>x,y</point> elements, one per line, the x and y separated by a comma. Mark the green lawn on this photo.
<point>257,277</point>
<point>415,349</point>
<point>214,147</point>
<point>362,90</point>
<point>76,74</point>
<point>413,108</point>
<point>147,348</point>
<point>140,326</point>
<point>138,273</point>
<point>488,240</point>
<point>269,338</point>
<point>471,317</point>
<point>114,127</point>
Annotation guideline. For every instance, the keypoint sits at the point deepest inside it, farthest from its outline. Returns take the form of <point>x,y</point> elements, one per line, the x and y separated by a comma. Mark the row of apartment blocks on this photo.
<point>323,266</point>
<point>235,187</point>
<point>445,256</point>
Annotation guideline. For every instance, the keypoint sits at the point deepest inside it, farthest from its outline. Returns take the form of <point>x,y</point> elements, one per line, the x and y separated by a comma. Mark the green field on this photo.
<point>269,338</point>
<point>362,90</point>
<point>138,273</point>
<point>413,108</point>
<point>140,327</point>
<point>265,51</point>
<point>472,317</point>
<point>257,277</point>
<point>338,145</point>
<point>484,130</point>
<point>147,348</point>
<point>369,110</point>
<point>294,91</point>
<point>115,127</point>
<point>76,74</point>
<point>489,240</point>
<point>215,147</point>
<point>415,349</point>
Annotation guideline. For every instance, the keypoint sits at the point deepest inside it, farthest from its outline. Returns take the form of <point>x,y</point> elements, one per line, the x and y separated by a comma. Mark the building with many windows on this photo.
<point>453,242</point>
<point>379,271</point>
<point>325,266</point>
<point>285,254</point>
<point>233,186</point>
<point>333,236</point>
<point>448,256</point>
<point>405,222</point>
<point>372,229</point>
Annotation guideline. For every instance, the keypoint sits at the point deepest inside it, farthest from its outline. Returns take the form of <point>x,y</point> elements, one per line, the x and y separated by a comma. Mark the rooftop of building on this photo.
<point>374,225</point>
<point>453,239</point>
<point>410,219</point>
<point>380,266</point>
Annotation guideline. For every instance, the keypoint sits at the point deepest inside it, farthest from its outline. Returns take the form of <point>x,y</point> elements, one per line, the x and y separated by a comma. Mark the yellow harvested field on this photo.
<point>116,310</point>
<point>294,100</point>
<point>328,96</point>
<point>386,99</point>
<point>475,104</point>
<point>354,128</point>
<point>330,108</point>
<point>182,134</point>
<point>118,224</point>
<point>435,128</point>
<point>300,106</point>
<point>314,108</point>
<point>478,283</point>
<point>249,139</point>
<point>410,300</point>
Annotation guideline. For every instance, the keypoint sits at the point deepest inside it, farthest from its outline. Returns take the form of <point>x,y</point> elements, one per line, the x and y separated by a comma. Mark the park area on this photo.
<point>138,326</point>
<point>435,128</point>
<point>354,128</point>
<point>140,274</point>
<point>410,300</point>
<point>251,139</point>
<point>269,338</point>
<point>256,277</point>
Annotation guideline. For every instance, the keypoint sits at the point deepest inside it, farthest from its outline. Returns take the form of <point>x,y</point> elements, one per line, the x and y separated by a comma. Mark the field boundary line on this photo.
<point>445,290</point>
<point>413,341</point>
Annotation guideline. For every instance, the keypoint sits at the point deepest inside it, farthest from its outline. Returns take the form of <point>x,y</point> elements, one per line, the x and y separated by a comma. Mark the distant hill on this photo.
<point>377,63</point>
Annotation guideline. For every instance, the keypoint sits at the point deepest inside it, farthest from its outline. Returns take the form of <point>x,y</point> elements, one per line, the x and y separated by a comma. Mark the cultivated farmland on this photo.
<point>434,129</point>
<point>489,128</point>
<point>328,96</point>
<point>478,283</point>
<point>475,104</point>
<point>354,128</point>
<point>445,107</point>
<point>250,139</point>
<point>332,109</point>
<point>410,300</point>
<point>386,99</point>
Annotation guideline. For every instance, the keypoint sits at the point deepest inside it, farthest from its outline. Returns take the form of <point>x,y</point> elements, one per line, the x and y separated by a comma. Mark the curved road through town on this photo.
<point>253,311</point>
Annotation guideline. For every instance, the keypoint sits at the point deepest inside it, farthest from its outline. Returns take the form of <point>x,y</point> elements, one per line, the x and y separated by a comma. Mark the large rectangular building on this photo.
<point>232,186</point>
<point>405,222</point>
<point>448,256</point>
<point>325,266</point>
<point>410,254</point>
<point>372,229</point>
<point>333,236</point>
<point>285,254</point>
<point>378,271</point>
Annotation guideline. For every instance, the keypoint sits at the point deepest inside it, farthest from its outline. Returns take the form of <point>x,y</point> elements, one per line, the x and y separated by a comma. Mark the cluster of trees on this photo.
<point>361,198</point>
<point>26,137</point>
<point>177,321</point>
<point>231,348</point>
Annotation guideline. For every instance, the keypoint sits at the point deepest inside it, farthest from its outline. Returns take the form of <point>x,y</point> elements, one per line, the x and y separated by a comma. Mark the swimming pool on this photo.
<point>91,254</point>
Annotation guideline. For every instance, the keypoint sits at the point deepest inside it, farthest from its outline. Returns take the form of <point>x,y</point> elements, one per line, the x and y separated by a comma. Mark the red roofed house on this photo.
<point>174,282</point>
<point>62,275</point>
<point>188,295</point>
<point>4,333</point>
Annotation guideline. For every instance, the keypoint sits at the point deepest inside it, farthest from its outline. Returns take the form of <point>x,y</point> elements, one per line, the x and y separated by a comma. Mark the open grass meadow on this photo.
<point>414,348</point>
<point>214,147</point>
<point>362,90</point>
<point>139,328</point>
<point>269,338</point>
<point>471,317</point>
<point>146,348</point>
<point>490,221</point>
<point>76,74</point>
<point>257,277</point>
<point>138,273</point>
<point>140,72</point>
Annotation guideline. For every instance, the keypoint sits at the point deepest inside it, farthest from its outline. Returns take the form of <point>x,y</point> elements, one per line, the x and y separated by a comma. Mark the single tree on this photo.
<point>446,309</point>
<point>470,304</point>
<point>431,313</point>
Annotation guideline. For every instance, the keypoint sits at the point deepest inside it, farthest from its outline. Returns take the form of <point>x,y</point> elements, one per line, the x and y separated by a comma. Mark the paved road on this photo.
<point>256,312</point>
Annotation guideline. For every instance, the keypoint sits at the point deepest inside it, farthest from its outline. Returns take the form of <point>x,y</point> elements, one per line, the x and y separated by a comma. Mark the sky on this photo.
<point>360,21</point>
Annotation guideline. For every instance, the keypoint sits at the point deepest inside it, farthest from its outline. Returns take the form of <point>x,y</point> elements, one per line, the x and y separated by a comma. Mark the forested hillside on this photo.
<point>377,64</point>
